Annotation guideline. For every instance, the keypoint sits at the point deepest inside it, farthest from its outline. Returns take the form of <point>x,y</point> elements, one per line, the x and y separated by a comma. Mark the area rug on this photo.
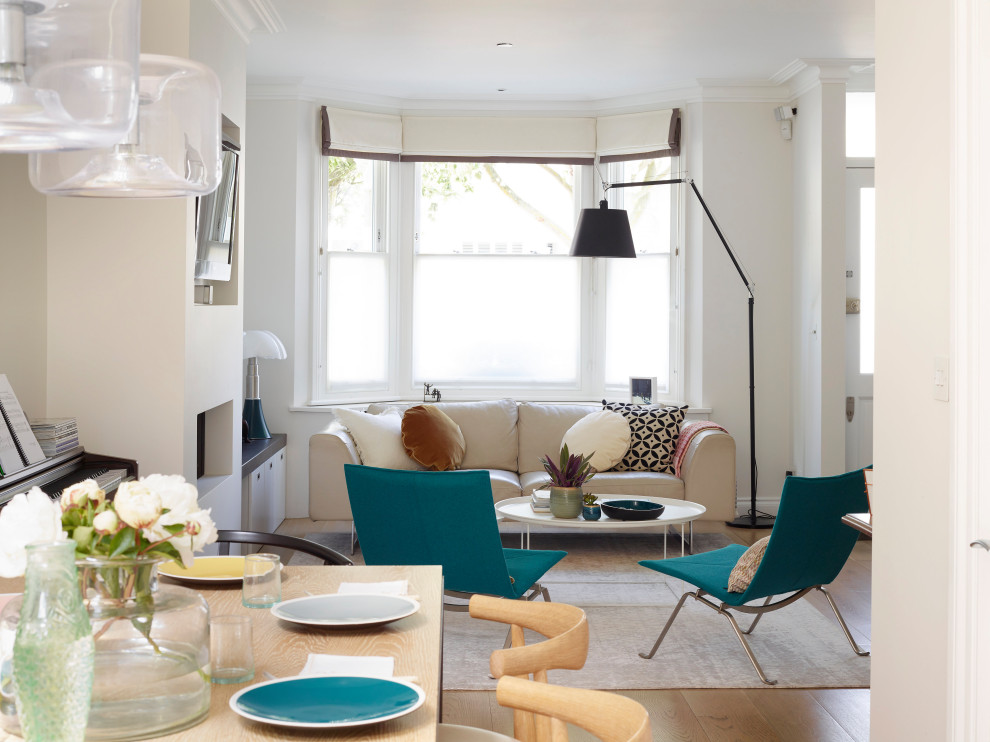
<point>627,606</point>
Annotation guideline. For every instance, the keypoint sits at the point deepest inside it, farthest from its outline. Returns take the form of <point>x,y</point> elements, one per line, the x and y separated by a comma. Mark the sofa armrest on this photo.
<point>709,473</point>
<point>329,450</point>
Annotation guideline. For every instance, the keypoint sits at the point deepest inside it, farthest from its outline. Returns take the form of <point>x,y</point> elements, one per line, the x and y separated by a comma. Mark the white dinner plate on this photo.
<point>324,702</point>
<point>345,610</point>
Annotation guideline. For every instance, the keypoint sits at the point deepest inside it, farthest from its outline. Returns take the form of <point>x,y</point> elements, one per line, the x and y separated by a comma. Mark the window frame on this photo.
<point>401,222</point>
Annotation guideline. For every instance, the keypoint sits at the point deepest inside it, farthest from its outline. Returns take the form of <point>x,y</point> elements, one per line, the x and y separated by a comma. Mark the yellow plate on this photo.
<point>207,569</point>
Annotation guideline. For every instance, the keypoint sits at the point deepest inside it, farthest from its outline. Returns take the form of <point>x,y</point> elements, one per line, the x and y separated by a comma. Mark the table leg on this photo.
<point>527,536</point>
<point>665,542</point>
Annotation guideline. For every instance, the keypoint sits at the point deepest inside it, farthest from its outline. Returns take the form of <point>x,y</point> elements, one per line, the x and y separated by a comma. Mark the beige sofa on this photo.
<point>508,438</point>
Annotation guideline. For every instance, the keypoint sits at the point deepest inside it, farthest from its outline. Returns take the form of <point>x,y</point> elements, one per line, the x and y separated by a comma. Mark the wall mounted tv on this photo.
<point>216,215</point>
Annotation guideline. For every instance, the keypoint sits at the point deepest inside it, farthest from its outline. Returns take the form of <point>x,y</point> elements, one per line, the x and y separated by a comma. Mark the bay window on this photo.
<point>457,273</point>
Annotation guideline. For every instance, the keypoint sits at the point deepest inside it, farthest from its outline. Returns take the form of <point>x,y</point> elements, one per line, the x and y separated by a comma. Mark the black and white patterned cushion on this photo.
<point>654,432</point>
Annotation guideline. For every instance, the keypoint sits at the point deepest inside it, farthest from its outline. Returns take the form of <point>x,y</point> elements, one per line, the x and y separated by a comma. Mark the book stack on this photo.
<point>540,501</point>
<point>56,434</point>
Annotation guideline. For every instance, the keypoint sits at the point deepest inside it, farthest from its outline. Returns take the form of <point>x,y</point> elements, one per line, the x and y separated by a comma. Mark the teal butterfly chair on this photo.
<point>808,547</point>
<point>445,518</point>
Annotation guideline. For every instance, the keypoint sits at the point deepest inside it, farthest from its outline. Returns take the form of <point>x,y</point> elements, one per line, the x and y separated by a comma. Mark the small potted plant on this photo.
<point>591,510</point>
<point>567,475</point>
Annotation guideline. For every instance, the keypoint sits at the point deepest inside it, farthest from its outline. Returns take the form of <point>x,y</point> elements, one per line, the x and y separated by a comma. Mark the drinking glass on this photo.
<point>262,587</point>
<point>231,651</point>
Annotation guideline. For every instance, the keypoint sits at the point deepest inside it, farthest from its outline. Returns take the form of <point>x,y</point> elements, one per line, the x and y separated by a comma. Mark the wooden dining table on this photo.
<point>281,649</point>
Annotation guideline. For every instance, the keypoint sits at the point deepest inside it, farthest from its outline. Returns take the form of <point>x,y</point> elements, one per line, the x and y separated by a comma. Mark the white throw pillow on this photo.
<point>603,433</point>
<point>378,438</point>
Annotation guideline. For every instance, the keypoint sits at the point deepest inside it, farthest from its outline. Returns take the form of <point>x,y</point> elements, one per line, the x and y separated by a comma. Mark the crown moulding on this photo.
<point>248,16</point>
<point>789,83</point>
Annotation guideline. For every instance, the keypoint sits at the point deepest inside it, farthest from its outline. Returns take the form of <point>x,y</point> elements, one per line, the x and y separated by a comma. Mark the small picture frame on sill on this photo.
<point>642,389</point>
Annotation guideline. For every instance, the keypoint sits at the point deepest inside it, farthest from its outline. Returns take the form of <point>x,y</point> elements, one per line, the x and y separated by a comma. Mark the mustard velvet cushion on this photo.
<point>432,439</point>
<point>604,435</point>
<point>742,574</point>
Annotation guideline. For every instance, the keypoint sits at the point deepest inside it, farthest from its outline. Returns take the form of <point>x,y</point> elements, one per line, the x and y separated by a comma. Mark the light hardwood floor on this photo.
<point>736,715</point>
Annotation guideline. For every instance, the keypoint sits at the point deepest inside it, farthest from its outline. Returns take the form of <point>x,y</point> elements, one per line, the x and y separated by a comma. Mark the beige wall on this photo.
<point>23,285</point>
<point>911,565</point>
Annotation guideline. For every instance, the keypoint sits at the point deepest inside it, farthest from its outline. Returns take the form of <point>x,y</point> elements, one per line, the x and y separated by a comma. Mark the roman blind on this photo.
<point>373,136</point>
<point>498,139</point>
<point>639,136</point>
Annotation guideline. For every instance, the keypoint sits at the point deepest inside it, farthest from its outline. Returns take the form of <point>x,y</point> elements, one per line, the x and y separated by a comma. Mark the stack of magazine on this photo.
<point>540,501</point>
<point>56,434</point>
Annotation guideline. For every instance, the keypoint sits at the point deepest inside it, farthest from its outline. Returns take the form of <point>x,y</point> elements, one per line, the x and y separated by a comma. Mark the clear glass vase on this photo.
<point>152,651</point>
<point>53,648</point>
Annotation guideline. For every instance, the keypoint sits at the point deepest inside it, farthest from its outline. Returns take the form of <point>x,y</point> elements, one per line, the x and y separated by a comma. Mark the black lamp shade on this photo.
<point>603,233</point>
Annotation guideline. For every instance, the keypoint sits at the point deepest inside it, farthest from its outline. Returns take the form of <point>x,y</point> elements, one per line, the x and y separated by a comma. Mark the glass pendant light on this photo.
<point>173,148</point>
<point>68,73</point>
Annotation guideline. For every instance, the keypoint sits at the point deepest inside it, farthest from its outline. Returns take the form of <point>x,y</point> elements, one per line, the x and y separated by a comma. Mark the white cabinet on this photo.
<point>263,489</point>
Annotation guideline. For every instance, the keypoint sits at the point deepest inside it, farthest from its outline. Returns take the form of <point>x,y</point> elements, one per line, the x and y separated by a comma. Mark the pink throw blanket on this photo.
<point>688,432</point>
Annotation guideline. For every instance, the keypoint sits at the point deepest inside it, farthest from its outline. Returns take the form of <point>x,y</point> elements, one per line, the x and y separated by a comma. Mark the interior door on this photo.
<point>860,314</point>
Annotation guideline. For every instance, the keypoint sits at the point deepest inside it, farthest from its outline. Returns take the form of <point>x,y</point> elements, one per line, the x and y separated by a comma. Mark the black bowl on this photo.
<point>632,509</point>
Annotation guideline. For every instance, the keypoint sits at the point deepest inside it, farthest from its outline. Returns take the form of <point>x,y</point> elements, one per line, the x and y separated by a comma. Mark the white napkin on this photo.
<point>338,664</point>
<point>396,587</point>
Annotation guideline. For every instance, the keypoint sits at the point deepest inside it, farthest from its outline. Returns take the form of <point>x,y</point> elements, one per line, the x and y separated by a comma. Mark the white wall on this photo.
<point>23,285</point>
<point>911,506</point>
<point>279,247</point>
<point>818,321</point>
<point>745,179</point>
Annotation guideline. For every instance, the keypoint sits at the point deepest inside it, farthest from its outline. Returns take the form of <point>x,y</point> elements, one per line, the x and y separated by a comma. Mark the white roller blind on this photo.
<point>375,136</point>
<point>498,139</point>
<point>636,136</point>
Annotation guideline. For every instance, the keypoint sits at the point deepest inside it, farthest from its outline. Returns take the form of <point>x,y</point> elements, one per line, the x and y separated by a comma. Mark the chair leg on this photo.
<point>745,645</point>
<point>680,604</point>
<point>758,617</point>
<point>845,629</point>
<point>353,538</point>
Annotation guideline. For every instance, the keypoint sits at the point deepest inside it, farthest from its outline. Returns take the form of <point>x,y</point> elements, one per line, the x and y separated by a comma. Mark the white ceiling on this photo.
<point>576,51</point>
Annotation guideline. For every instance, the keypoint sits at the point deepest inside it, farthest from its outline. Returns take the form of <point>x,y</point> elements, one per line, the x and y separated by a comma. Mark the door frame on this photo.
<point>969,678</point>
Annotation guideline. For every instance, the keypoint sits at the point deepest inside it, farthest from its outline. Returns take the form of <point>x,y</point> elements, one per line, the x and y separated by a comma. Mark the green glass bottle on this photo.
<point>53,648</point>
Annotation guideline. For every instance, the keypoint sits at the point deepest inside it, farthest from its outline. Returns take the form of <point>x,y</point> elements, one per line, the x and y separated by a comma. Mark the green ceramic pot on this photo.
<point>566,502</point>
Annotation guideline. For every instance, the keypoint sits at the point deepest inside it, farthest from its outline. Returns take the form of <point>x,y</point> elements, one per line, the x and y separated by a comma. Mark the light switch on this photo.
<point>941,378</point>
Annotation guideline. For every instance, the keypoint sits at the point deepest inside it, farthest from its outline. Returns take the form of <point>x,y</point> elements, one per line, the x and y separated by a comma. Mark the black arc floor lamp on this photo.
<point>605,233</point>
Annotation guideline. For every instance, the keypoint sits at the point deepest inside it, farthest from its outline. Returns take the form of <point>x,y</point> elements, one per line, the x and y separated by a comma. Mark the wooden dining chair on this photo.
<point>608,716</point>
<point>565,648</point>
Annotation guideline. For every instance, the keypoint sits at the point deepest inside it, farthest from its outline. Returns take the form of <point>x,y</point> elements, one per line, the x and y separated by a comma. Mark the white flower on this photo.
<point>27,519</point>
<point>199,532</point>
<point>180,501</point>
<point>80,492</point>
<point>136,504</point>
<point>106,522</point>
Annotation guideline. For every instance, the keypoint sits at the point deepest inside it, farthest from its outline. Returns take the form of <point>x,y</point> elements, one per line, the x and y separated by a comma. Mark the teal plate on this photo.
<point>321,702</point>
<point>344,610</point>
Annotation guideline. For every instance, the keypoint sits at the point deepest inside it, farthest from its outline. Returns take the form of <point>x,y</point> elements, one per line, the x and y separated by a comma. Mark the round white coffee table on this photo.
<point>675,512</point>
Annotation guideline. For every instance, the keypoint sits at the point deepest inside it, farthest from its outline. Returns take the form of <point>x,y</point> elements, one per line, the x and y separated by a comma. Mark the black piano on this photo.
<point>55,474</point>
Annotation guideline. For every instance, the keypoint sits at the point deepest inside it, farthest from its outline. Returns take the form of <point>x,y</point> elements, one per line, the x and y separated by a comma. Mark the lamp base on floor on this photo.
<point>255,419</point>
<point>749,521</point>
